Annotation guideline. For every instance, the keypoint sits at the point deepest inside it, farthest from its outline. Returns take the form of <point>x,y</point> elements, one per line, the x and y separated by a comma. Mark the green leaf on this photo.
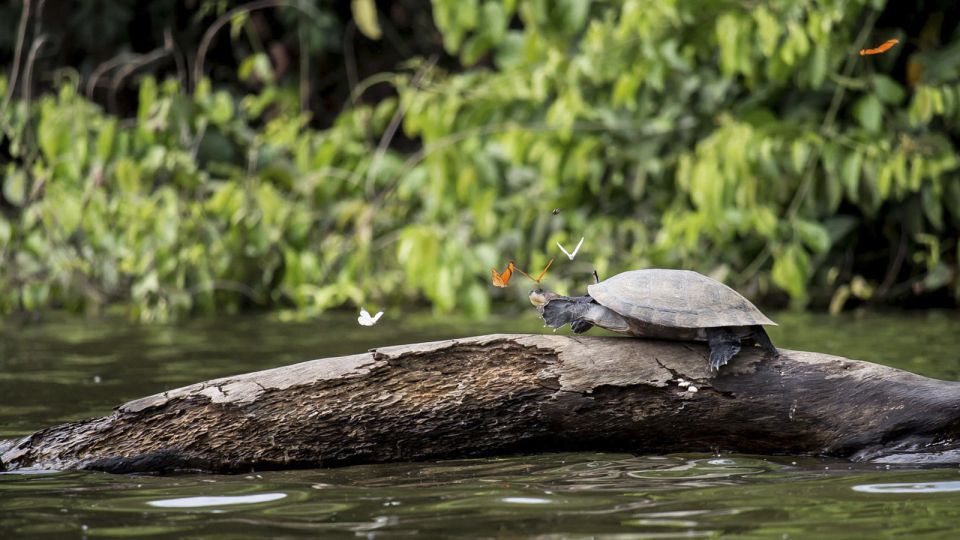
<point>769,30</point>
<point>625,90</point>
<point>474,49</point>
<point>236,24</point>
<point>127,174</point>
<point>861,288</point>
<point>869,112</point>
<point>921,107</point>
<point>35,295</point>
<point>148,97</point>
<point>840,297</point>
<point>799,152</point>
<point>850,174</point>
<point>69,213</point>
<point>790,271</point>
<point>938,276</point>
<point>467,14</point>
<point>839,226</point>
<point>105,139</point>
<point>6,232</point>
<point>495,21</point>
<point>365,15</point>
<point>814,235</point>
<point>819,67</point>
<point>15,186</point>
<point>510,50</point>
<point>932,207</point>
<point>221,108</point>
<point>888,90</point>
<point>572,13</point>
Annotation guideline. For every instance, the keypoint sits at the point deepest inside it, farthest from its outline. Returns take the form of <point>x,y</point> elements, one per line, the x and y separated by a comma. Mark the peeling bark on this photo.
<point>503,394</point>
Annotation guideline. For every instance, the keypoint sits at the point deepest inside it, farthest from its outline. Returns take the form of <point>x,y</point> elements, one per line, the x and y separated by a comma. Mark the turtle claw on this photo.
<point>719,359</point>
<point>716,361</point>
<point>724,345</point>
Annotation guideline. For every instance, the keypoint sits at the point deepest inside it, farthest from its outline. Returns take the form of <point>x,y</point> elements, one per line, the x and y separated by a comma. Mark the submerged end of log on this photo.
<point>502,394</point>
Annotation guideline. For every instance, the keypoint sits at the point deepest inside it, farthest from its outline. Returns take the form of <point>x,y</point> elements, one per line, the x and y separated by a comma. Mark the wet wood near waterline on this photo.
<point>503,394</point>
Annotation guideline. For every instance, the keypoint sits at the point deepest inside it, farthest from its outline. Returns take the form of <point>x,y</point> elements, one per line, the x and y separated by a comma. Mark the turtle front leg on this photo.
<point>580,326</point>
<point>724,345</point>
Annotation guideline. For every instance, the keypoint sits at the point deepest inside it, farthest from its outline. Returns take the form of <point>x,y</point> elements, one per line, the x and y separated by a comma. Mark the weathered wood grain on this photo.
<point>502,394</point>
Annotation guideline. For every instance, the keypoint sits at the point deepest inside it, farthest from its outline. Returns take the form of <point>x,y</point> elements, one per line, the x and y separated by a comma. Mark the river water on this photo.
<point>65,369</point>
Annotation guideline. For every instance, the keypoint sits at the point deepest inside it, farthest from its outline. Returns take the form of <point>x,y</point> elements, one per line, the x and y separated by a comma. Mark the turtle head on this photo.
<point>538,297</point>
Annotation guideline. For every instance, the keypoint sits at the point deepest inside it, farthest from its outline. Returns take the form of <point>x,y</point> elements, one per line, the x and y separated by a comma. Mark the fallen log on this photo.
<point>502,394</point>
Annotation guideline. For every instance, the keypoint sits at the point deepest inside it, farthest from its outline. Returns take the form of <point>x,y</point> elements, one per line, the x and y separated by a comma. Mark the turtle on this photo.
<point>662,304</point>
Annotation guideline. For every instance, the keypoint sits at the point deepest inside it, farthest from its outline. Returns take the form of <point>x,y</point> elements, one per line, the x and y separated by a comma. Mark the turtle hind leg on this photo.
<point>761,338</point>
<point>724,345</point>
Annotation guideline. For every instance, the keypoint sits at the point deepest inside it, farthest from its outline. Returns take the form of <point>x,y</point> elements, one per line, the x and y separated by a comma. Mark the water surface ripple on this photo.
<point>66,369</point>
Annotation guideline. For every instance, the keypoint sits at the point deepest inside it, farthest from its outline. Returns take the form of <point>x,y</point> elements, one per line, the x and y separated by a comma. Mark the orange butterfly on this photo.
<point>538,278</point>
<point>502,280</point>
<point>880,48</point>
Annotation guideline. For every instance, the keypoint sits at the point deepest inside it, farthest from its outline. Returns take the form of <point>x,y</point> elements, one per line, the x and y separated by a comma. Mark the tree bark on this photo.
<point>502,394</point>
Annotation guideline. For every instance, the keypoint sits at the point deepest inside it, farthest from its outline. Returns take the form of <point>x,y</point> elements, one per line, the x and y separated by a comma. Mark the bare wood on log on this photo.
<point>501,394</point>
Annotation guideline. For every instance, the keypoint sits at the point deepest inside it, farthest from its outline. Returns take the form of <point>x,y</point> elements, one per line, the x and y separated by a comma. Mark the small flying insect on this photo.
<point>883,47</point>
<point>502,280</point>
<point>556,211</point>
<point>571,255</point>
<point>366,320</point>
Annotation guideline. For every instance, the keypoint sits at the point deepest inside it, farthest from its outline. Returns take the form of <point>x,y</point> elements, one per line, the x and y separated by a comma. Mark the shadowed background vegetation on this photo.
<point>199,156</point>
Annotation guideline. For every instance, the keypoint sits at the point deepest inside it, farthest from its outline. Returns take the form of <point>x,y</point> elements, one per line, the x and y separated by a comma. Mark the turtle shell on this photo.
<point>676,298</point>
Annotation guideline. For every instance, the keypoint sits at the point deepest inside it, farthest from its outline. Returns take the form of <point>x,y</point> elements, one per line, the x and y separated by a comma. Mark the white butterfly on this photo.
<point>567,253</point>
<point>366,320</point>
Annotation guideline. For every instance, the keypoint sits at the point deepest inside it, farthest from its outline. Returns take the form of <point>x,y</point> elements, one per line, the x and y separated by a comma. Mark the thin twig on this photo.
<point>28,72</point>
<point>304,69</point>
<point>18,52</point>
<point>171,45</point>
<point>211,32</point>
<point>27,91</point>
<point>197,139</point>
<point>349,56</point>
<point>142,60</point>
<point>123,58</point>
<point>38,17</point>
<point>394,124</point>
<point>364,85</point>
<point>894,269</point>
<point>102,70</point>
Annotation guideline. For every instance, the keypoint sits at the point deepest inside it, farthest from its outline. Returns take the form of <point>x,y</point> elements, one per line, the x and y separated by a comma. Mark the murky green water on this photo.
<point>69,369</point>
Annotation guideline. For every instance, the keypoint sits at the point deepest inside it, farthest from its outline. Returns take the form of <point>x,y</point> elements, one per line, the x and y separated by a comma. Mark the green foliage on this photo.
<point>672,134</point>
<point>365,14</point>
<point>716,146</point>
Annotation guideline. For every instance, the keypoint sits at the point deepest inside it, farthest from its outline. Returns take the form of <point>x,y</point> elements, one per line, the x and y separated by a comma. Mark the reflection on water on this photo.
<point>559,494</point>
<point>70,369</point>
<point>928,487</point>
<point>201,502</point>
